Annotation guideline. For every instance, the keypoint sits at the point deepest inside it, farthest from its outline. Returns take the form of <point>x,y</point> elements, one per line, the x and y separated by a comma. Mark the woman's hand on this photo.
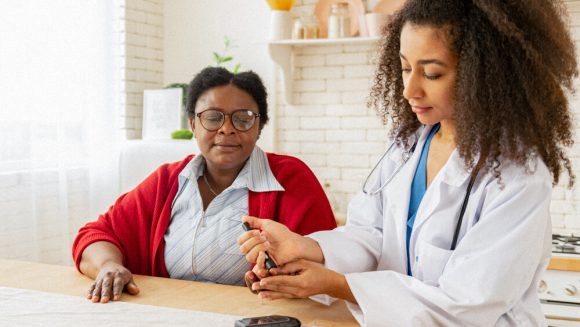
<point>258,272</point>
<point>303,278</point>
<point>110,282</point>
<point>282,244</point>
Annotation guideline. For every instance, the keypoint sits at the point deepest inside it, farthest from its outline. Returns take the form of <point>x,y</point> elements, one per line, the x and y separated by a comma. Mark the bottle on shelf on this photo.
<point>338,20</point>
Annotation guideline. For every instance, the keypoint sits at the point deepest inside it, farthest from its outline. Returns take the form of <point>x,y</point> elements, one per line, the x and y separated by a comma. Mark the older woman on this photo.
<point>183,220</point>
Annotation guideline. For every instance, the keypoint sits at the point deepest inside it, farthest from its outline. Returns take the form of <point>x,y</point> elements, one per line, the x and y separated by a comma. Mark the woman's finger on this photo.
<point>260,268</point>
<point>255,223</point>
<point>245,237</point>
<point>250,243</point>
<point>250,278</point>
<point>290,268</point>
<point>252,255</point>
<point>107,288</point>
<point>91,291</point>
<point>97,291</point>
<point>118,286</point>
<point>282,283</point>
<point>270,296</point>
<point>132,287</point>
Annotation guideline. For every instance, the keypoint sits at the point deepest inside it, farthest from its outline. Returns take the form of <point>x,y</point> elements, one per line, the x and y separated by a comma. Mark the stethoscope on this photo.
<point>408,153</point>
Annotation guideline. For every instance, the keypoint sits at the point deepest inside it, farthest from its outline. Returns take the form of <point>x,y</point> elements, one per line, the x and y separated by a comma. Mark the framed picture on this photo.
<point>161,113</point>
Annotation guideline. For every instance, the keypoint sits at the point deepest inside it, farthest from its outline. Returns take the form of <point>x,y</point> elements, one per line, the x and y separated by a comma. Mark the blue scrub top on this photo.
<point>418,189</point>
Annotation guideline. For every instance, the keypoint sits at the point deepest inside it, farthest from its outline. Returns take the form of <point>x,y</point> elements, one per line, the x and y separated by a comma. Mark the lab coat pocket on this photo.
<point>229,230</point>
<point>430,261</point>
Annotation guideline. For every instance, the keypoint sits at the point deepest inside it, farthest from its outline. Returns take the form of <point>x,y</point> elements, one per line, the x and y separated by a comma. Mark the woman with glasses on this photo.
<point>183,220</point>
<point>453,226</point>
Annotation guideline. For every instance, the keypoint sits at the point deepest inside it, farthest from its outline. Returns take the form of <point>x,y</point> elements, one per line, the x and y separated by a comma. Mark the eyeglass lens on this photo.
<point>242,120</point>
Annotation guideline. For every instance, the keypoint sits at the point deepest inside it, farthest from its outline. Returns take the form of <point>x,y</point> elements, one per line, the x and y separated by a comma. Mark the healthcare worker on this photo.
<point>453,226</point>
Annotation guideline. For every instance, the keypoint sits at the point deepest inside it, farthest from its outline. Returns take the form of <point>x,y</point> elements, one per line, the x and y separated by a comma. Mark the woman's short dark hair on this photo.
<point>516,60</point>
<point>211,77</point>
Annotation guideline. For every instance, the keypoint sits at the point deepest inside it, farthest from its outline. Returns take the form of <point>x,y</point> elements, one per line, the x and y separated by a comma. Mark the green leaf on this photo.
<point>236,69</point>
<point>217,57</point>
<point>226,59</point>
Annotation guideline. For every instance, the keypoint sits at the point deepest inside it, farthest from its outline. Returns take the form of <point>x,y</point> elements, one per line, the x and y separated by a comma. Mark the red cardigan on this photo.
<point>137,222</point>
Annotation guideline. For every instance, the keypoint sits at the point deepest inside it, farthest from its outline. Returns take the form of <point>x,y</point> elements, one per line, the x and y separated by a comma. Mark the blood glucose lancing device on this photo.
<point>269,262</point>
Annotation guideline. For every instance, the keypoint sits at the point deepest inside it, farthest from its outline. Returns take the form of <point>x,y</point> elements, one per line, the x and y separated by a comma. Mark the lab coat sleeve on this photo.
<point>485,277</point>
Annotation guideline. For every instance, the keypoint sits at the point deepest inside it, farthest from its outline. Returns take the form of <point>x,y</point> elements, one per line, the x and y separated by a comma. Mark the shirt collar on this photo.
<point>256,174</point>
<point>260,177</point>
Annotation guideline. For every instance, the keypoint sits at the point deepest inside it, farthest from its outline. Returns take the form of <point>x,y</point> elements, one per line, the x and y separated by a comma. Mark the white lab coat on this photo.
<point>489,280</point>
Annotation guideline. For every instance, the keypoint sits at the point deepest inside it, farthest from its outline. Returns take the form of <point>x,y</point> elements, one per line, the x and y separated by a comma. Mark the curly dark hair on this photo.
<point>211,77</point>
<point>516,59</point>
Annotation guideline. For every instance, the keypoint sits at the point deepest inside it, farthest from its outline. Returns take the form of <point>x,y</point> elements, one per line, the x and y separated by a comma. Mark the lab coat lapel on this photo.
<point>452,179</point>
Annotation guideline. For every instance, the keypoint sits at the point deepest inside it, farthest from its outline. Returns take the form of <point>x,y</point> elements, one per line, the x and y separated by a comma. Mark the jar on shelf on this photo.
<point>338,20</point>
<point>306,28</point>
<point>311,28</point>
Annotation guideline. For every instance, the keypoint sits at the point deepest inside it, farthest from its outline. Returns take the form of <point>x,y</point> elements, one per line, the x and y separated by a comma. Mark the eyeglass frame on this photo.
<point>256,115</point>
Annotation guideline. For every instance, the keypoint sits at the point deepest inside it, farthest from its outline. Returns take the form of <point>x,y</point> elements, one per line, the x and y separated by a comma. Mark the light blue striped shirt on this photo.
<point>202,246</point>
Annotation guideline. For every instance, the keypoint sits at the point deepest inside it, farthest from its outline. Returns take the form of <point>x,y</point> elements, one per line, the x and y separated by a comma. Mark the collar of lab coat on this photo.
<point>453,173</point>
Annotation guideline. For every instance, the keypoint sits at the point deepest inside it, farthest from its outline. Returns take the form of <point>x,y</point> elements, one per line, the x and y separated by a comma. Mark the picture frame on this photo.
<point>161,113</point>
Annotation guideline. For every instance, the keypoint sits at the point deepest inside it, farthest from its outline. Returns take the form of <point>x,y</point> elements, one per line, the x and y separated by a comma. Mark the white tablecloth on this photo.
<point>19,307</point>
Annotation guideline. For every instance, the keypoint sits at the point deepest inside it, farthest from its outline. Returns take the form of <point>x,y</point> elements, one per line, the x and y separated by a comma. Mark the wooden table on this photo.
<point>175,293</point>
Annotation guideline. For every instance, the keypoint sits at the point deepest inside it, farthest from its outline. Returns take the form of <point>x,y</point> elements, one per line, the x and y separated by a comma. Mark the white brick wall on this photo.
<point>331,130</point>
<point>328,126</point>
<point>34,215</point>
<point>142,38</point>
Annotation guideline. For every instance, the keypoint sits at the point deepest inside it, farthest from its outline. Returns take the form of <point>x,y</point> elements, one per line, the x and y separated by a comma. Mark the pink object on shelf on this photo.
<point>376,23</point>
<point>388,6</point>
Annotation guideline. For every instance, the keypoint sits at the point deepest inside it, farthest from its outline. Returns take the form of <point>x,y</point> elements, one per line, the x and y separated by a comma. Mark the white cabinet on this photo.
<point>281,53</point>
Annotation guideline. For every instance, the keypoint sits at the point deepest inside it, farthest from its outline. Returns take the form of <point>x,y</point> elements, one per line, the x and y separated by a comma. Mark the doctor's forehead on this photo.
<point>425,44</point>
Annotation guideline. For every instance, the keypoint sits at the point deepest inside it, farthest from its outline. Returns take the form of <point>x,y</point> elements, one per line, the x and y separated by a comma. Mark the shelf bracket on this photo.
<point>282,56</point>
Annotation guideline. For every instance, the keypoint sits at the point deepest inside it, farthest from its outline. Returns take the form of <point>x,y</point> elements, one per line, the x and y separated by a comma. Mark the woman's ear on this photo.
<point>192,125</point>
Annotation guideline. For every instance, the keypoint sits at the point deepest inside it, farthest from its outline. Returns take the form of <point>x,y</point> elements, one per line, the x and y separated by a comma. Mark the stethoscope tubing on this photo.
<point>406,157</point>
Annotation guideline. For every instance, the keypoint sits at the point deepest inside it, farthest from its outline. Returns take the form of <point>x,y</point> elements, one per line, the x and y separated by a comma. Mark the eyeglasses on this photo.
<point>213,119</point>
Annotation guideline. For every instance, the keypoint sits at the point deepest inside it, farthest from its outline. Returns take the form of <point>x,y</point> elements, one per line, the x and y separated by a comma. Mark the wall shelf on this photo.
<point>281,52</point>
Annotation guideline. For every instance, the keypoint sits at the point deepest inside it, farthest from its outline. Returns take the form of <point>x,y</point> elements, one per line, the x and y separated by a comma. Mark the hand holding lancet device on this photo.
<point>269,262</point>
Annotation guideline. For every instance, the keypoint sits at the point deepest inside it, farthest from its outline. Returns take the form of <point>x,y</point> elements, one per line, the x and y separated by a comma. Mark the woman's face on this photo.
<point>226,148</point>
<point>429,71</point>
